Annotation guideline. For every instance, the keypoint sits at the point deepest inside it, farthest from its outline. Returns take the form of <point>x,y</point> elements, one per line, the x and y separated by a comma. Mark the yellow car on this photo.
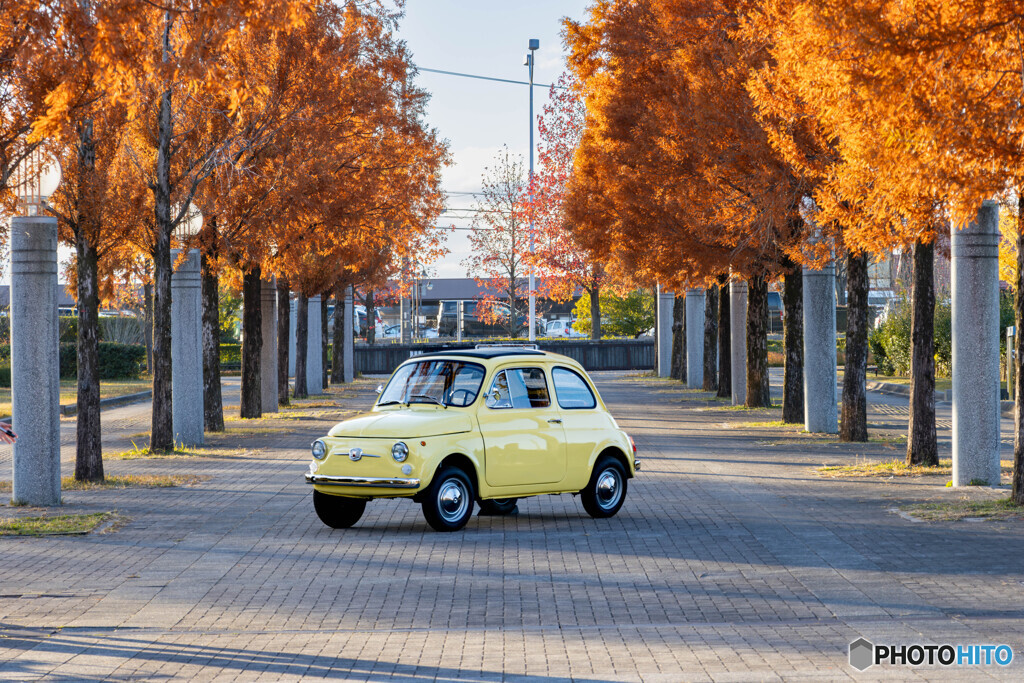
<point>490,425</point>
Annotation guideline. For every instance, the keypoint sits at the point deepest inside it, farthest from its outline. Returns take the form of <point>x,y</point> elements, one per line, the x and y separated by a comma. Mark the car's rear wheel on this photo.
<point>606,490</point>
<point>498,506</point>
<point>338,512</point>
<point>448,504</point>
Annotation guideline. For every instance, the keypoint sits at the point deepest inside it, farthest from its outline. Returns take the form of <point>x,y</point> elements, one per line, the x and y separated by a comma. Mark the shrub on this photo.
<point>123,329</point>
<point>230,354</point>
<point>5,376</point>
<point>116,361</point>
<point>891,344</point>
<point>67,326</point>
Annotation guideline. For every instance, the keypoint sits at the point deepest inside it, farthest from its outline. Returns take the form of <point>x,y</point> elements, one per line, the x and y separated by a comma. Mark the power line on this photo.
<point>489,78</point>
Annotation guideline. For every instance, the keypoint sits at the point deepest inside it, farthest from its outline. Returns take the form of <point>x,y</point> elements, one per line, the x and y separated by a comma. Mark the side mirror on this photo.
<point>495,394</point>
<point>380,389</point>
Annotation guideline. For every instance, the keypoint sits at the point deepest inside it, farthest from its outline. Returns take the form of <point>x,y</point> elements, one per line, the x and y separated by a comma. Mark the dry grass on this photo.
<point>951,511</point>
<point>892,468</point>
<point>56,525</point>
<point>775,424</point>
<point>179,451</point>
<point>118,481</point>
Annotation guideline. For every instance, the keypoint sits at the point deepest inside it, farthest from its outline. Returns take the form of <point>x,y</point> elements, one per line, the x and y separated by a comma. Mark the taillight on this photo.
<point>633,444</point>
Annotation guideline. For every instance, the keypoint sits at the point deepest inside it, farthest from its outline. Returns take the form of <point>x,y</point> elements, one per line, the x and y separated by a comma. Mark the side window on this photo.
<point>572,390</point>
<point>519,388</point>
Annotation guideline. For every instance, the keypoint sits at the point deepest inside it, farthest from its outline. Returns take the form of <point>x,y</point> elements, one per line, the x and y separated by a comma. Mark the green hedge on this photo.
<point>5,376</point>
<point>117,361</point>
<point>230,354</point>
<point>890,342</point>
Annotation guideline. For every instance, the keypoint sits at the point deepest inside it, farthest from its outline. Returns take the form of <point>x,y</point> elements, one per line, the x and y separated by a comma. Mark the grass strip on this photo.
<point>954,510</point>
<point>125,481</point>
<point>892,468</point>
<point>56,525</point>
<point>179,452</point>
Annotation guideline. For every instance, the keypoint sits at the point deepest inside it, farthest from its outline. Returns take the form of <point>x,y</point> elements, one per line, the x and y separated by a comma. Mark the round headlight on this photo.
<point>399,452</point>
<point>319,449</point>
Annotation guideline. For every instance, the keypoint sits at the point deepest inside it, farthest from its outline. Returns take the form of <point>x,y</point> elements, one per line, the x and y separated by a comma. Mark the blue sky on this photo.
<point>486,38</point>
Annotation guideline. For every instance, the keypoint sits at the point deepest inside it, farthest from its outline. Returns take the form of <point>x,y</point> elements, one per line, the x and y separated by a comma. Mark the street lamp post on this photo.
<point>534,44</point>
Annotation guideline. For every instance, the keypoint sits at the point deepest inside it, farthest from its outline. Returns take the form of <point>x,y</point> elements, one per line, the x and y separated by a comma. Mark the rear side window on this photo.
<point>519,388</point>
<point>572,390</point>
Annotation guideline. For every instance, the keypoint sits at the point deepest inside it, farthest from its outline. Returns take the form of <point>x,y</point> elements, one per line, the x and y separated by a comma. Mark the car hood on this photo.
<point>404,424</point>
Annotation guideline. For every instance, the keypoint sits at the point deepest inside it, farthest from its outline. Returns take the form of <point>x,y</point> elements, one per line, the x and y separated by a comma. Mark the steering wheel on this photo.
<point>466,401</point>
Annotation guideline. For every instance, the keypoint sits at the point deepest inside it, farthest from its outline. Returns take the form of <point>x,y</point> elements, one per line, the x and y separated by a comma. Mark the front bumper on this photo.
<point>362,482</point>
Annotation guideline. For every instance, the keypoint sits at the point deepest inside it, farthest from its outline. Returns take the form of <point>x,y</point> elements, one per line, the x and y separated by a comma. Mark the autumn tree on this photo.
<point>500,240</point>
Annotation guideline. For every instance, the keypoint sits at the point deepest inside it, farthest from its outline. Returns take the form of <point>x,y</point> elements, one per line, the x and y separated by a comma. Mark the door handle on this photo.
<point>554,421</point>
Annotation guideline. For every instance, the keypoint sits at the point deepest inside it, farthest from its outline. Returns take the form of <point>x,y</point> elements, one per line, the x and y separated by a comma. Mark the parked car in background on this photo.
<point>488,425</point>
<point>561,328</point>
<point>473,324</point>
<point>775,312</point>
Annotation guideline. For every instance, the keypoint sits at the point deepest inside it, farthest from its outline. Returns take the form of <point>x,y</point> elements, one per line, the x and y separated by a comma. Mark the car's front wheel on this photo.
<point>448,504</point>
<point>498,506</point>
<point>338,512</point>
<point>606,491</point>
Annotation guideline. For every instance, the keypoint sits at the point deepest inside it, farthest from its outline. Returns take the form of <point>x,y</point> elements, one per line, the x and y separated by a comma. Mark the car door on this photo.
<point>584,423</point>
<point>524,443</point>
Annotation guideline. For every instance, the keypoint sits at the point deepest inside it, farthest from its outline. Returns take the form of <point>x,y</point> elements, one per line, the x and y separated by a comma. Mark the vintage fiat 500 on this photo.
<point>489,425</point>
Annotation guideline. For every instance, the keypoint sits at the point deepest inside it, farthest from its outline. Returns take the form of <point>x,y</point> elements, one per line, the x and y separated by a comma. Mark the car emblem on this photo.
<point>355,454</point>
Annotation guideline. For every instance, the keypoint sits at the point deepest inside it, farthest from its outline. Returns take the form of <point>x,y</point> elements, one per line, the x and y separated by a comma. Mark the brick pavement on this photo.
<point>730,561</point>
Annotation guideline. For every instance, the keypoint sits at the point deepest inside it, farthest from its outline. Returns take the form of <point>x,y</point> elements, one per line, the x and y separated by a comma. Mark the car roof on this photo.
<point>490,352</point>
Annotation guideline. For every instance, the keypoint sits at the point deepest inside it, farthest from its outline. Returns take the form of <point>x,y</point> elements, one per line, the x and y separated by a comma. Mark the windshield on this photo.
<point>444,382</point>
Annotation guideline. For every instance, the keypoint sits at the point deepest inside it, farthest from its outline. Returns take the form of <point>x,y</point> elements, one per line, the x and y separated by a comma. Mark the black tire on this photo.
<point>338,512</point>
<point>498,506</point>
<point>606,490</point>
<point>448,504</point>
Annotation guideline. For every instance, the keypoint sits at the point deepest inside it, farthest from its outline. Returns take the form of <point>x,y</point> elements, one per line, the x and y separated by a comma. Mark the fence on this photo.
<point>608,354</point>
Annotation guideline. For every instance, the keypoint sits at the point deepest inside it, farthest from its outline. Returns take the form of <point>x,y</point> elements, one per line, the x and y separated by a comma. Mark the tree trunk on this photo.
<point>213,402</point>
<point>252,344</point>
<point>325,351</point>
<point>677,367</point>
<point>724,341</point>
<point>301,344</point>
<point>758,389</point>
<point>161,436</point>
<point>711,339</point>
<point>371,318</point>
<point>147,304</point>
<point>853,420</point>
<point>922,445</point>
<point>793,345</point>
<point>89,451</point>
<point>284,329</point>
<point>595,313</point>
<point>1017,487</point>
<point>338,350</point>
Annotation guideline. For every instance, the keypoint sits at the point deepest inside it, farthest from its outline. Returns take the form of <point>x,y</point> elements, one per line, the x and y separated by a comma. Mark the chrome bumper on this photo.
<point>636,465</point>
<point>362,482</point>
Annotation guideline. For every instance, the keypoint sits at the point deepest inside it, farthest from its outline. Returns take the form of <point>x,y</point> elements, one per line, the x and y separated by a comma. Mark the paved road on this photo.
<point>731,560</point>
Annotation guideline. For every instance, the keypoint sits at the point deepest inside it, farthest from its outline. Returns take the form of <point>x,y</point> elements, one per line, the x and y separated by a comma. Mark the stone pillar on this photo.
<point>268,358</point>
<point>738,338</point>
<point>35,361</point>
<point>695,303</point>
<point>405,320</point>
<point>663,331</point>
<point>314,350</point>
<point>975,281</point>
<point>348,338</point>
<point>291,337</point>
<point>187,350</point>
<point>821,414</point>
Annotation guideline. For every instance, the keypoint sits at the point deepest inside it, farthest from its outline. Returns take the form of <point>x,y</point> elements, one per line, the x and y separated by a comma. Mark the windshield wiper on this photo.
<point>388,403</point>
<point>431,398</point>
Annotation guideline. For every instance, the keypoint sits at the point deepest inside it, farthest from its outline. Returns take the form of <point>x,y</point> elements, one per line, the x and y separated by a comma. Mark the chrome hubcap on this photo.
<point>452,500</point>
<point>608,488</point>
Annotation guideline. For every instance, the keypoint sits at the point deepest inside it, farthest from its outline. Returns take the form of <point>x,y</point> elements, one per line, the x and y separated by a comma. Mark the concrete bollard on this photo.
<point>348,338</point>
<point>268,357</point>
<point>975,283</point>
<point>291,337</point>
<point>187,350</point>
<point>35,361</point>
<point>821,414</point>
<point>314,350</point>
<point>695,303</point>
<point>663,331</point>
<point>738,338</point>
